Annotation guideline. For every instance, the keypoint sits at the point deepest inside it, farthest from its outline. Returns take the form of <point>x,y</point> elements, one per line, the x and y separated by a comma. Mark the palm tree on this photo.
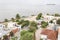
<point>33,27</point>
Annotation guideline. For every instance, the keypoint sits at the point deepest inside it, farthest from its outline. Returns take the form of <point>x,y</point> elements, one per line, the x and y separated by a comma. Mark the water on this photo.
<point>10,10</point>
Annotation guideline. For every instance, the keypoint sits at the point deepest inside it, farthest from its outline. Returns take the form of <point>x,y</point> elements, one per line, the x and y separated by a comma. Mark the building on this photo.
<point>11,26</point>
<point>2,26</point>
<point>51,34</point>
<point>58,33</point>
<point>44,37</point>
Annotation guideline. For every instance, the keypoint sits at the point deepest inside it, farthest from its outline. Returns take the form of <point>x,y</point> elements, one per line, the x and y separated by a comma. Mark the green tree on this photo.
<point>51,21</point>
<point>11,34</point>
<point>57,14</point>
<point>17,16</point>
<point>41,39</point>
<point>33,24</point>
<point>5,37</point>
<point>27,36</point>
<point>20,22</point>
<point>44,24</point>
<point>39,16</point>
<point>58,21</point>
<point>48,14</point>
<point>17,20</point>
<point>33,27</point>
<point>13,38</point>
<point>23,32</point>
<point>12,19</point>
<point>25,23</point>
<point>6,20</point>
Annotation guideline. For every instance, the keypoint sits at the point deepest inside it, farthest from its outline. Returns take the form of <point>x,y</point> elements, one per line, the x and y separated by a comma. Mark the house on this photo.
<point>15,30</point>
<point>2,26</point>
<point>48,18</point>
<point>58,33</point>
<point>51,34</point>
<point>11,26</point>
<point>44,37</point>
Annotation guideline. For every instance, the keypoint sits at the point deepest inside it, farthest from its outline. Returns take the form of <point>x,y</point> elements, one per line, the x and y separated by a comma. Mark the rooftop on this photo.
<point>52,35</point>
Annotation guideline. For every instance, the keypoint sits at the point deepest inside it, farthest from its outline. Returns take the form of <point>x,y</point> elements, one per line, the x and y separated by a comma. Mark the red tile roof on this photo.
<point>15,30</point>
<point>50,34</point>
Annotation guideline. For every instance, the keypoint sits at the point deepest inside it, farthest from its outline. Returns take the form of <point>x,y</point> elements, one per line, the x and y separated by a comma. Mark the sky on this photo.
<point>9,8</point>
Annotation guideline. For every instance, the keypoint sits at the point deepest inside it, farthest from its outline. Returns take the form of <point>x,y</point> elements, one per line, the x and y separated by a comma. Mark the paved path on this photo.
<point>38,34</point>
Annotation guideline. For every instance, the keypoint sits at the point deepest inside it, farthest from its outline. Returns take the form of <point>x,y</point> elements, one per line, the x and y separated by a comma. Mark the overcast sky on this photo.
<point>9,8</point>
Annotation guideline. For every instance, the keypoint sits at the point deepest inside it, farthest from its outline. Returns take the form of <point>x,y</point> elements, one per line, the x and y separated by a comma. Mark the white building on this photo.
<point>10,26</point>
<point>44,37</point>
<point>2,26</point>
<point>58,33</point>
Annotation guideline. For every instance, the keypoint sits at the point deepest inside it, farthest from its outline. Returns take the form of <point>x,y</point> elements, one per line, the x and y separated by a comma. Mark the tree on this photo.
<point>41,39</point>
<point>17,16</point>
<point>23,32</point>
<point>48,14</point>
<point>51,21</point>
<point>27,36</point>
<point>32,15</point>
<point>6,20</point>
<point>33,24</point>
<point>20,22</point>
<point>25,23</point>
<point>44,24</point>
<point>5,37</point>
<point>39,16</point>
<point>14,38</point>
<point>13,20</point>
<point>11,33</point>
<point>58,21</point>
<point>33,27</point>
<point>57,14</point>
<point>17,20</point>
